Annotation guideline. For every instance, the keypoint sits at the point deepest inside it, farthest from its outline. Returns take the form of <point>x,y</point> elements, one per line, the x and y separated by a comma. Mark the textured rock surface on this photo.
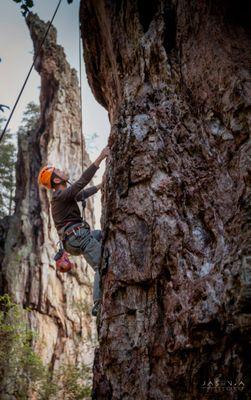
<point>60,304</point>
<point>175,316</point>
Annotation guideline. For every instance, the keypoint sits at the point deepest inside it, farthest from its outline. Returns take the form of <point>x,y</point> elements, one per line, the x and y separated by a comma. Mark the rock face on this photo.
<point>175,320</point>
<point>60,304</point>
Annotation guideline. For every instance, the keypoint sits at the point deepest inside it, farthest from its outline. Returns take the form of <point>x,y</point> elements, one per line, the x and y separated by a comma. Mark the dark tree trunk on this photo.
<point>174,77</point>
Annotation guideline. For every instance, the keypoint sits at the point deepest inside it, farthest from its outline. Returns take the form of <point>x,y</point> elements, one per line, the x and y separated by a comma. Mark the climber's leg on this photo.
<point>84,242</point>
<point>96,287</point>
<point>97,234</point>
<point>91,248</point>
<point>88,243</point>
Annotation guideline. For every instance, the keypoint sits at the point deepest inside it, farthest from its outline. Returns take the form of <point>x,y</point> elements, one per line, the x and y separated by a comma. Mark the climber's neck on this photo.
<point>60,186</point>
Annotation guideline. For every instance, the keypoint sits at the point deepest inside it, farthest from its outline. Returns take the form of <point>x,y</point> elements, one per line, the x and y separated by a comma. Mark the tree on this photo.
<point>26,5</point>
<point>7,173</point>
<point>8,155</point>
<point>23,372</point>
<point>30,117</point>
<point>90,141</point>
<point>174,77</point>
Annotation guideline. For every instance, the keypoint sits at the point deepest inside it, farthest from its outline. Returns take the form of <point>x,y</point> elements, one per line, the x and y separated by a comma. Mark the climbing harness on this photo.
<point>69,231</point>
<point>63,263</point>
<point>31,68</point>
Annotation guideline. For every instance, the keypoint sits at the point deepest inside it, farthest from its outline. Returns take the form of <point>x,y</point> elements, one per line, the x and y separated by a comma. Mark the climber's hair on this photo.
<point>53,184</point>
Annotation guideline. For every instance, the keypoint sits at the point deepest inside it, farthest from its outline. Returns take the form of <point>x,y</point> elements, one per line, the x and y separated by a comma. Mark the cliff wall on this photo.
<point>59,304</point>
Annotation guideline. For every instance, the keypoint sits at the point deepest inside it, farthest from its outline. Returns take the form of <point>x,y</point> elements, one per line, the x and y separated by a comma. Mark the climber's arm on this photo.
<point>87,175</point>
<point>75,188</point>
<point>85,193</point>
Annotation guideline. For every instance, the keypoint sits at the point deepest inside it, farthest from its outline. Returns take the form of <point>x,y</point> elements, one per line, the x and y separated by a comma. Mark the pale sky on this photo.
<point>16,52</point>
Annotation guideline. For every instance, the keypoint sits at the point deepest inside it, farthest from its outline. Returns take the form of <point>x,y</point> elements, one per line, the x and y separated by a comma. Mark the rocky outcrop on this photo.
<point>59,304</point>
<point>174,76</point>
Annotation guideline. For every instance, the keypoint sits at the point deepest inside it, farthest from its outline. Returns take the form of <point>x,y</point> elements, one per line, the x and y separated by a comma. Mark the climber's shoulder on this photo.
<point>65,195</point>
<point>56,195</point>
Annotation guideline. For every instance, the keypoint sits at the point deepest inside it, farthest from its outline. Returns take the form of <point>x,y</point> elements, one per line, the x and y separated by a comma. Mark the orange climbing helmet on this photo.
<point>44,177</point>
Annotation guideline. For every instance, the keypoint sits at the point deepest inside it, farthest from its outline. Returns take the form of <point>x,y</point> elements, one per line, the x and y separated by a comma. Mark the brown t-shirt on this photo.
<point>65,210</point>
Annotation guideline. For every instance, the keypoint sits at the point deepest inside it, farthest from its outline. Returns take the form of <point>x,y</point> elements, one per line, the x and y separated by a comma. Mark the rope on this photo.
<point>81,101</point>
<point>81,108</point>
<point>31,68</point>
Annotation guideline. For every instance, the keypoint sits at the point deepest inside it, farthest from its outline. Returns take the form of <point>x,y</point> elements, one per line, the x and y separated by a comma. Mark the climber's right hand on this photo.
<point>104,153</point>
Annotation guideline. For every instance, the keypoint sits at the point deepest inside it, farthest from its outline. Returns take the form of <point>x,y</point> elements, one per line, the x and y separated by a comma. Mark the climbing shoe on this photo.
<point>95,308</point>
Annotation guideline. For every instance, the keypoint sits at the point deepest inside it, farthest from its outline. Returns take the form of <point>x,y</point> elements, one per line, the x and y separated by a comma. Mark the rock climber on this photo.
<point>74,232</point>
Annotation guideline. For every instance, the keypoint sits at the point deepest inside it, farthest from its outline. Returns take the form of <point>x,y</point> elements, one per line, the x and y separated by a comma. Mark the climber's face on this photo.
<point>60,175</point>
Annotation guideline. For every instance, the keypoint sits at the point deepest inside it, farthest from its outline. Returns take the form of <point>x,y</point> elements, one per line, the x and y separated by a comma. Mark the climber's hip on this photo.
<point>80,239</point>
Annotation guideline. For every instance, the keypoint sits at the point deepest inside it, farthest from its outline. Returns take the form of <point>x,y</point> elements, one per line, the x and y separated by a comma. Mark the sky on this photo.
<point>16,53</point>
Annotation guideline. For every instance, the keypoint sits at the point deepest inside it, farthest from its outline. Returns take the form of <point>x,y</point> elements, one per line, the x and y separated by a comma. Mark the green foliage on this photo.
<point>82,307</point>
<point>3,106</point>
<point>7,173</point>
<point>8,155</point>
<point>75,382</point>
<point>30,117</point>
<point>90,141</point>
<point>22,372</point>
<point>25,5</point>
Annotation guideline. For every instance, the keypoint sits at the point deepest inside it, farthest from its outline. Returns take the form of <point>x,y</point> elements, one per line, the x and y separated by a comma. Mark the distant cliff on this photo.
<point>174,76</point>
<point>59,304</point>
